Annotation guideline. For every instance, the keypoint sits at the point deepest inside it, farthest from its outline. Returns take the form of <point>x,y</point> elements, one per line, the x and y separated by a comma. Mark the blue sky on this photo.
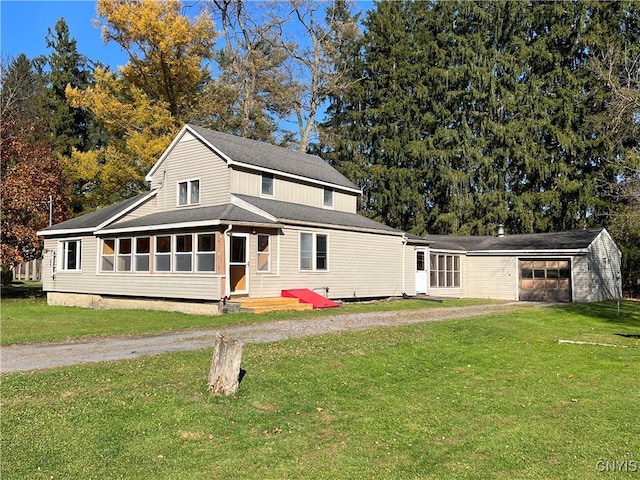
<point>24,25</point>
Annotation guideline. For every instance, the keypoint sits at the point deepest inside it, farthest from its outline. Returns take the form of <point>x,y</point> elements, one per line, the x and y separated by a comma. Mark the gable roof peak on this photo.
<point>262,156</point>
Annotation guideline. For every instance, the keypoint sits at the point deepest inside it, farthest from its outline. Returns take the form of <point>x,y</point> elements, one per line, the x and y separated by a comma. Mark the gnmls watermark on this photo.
<point>618,466</point>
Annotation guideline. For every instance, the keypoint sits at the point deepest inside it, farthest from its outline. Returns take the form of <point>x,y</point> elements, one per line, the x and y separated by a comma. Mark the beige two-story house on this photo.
<point>226,217</point>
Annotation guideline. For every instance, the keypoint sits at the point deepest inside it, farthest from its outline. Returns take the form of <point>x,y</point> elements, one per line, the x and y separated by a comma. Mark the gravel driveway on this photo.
<point>25,357</point>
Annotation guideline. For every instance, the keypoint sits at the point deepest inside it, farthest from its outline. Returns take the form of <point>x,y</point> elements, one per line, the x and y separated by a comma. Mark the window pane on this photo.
<point>72,255</point>
<point>124,263</point>
<point>142,245</point>
<point>195,191</point>
<point>238,249</point>
<point>321,252</point>
<point>183,262</point>
<point>109,247</point>
<point>205,262</point>
<point>163,244</point>
<point>124,246</point>
<point>182,193</point>
<point>264,255</point>
<point>107,263</point>
<point>267,184</point>
<point>108,255</point>
<point>456,279</point>
<point>306,251</point>
<point>142,263</point>
<point>419,261</point>
<point>163,263</point>
<point>206,243</point>
<point>183,243</point>
<point>328,197</point>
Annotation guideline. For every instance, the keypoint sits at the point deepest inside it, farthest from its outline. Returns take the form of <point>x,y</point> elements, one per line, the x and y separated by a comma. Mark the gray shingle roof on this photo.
<point>264,155</point>
<point>294,212</point>
<point>186,216</point>
<point>573,240</point>
<point>91,220</point>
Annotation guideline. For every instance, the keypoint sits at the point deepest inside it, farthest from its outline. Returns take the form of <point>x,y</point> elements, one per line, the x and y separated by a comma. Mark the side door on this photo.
<point>238,263</point>
<point>421,270</point>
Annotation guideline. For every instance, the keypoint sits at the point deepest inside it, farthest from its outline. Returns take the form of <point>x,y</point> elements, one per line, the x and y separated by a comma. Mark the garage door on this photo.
<point>545,280</point>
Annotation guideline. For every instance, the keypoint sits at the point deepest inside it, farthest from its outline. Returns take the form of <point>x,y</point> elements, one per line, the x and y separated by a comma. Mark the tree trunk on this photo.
<point>224,375</point>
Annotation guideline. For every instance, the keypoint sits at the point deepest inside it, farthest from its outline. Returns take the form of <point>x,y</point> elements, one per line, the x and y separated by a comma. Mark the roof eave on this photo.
<point>73,231</point>
<point>333,226</point>
<point>528,252</point>
<point>183,226</point>
<point>295,177</point>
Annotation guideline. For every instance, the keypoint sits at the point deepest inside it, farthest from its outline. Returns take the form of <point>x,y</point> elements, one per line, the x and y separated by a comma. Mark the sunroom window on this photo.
<point>206,253</point>
<point>184,253</point>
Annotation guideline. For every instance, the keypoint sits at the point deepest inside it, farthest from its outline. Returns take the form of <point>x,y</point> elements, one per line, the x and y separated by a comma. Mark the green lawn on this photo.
<point>32,320</point>
<point>496,397</point>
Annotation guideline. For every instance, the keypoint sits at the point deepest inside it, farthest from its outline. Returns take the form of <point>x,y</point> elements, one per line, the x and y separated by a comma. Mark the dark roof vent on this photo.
<point>500,230</point>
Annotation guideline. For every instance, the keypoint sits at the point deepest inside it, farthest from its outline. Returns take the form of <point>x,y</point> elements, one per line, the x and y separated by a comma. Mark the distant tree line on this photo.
<point>451,116</point>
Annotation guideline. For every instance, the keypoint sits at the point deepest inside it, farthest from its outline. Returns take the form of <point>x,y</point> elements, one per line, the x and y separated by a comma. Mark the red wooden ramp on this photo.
<point>307,296</point>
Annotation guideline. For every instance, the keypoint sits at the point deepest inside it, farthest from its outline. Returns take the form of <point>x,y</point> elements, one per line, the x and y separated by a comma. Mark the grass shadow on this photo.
<point>22,290</point>
<point>627,314</point>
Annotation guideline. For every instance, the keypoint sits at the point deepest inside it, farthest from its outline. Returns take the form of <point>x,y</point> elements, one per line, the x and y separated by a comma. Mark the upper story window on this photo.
<point>267,184</point>
<point>189,192</point>
<point>328,197</point>
<point>71,255</point>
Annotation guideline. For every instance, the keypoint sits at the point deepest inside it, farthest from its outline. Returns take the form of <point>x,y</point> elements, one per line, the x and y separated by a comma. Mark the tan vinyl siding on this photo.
<point>289,190</point>
<point>490,277</point>
<point>190,159</point>
<point>170,285</point>
<point>147,208</point>
<point>360,265</point>
<point>596,276</point>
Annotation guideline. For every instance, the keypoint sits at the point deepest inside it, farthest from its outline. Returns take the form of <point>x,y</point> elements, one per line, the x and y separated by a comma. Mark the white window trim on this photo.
<point>268,254</point>
<point>135,254</point>
<point>333,194</point>
<point>175,253</point>
<point>196,252</point>
<point>189,202</point>
<point>102,255</point>
<point>118,255</point>
<point>445,271</point>
<point>162,254</point>
<point>273,185</point>
<point>63,266</point>
<point>314,252</point>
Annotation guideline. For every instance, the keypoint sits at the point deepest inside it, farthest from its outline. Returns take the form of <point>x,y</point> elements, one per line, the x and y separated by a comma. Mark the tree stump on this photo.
<point>224,375</point>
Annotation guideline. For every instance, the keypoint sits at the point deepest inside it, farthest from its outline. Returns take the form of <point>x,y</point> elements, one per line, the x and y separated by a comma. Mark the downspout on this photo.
<point>227,272</point>
<point>404,275</point>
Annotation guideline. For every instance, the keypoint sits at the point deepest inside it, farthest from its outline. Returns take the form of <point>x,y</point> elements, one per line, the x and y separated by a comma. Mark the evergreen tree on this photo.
<point>462,115</point>
<point>71,128</point>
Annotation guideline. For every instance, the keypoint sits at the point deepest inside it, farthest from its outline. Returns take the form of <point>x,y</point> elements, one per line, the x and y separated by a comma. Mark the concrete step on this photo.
<point>274,304</point>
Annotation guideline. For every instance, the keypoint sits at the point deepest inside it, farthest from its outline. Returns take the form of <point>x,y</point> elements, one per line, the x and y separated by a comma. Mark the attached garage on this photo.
<point>576,266</point>
<point>545,280</point>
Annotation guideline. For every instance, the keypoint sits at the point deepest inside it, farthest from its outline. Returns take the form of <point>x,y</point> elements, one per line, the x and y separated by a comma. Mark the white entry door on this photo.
<point>238,263</point>
<point>421,270</point>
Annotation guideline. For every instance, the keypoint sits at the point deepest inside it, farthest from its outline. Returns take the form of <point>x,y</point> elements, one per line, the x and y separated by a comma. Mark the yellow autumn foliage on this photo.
<point>142,106</point>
